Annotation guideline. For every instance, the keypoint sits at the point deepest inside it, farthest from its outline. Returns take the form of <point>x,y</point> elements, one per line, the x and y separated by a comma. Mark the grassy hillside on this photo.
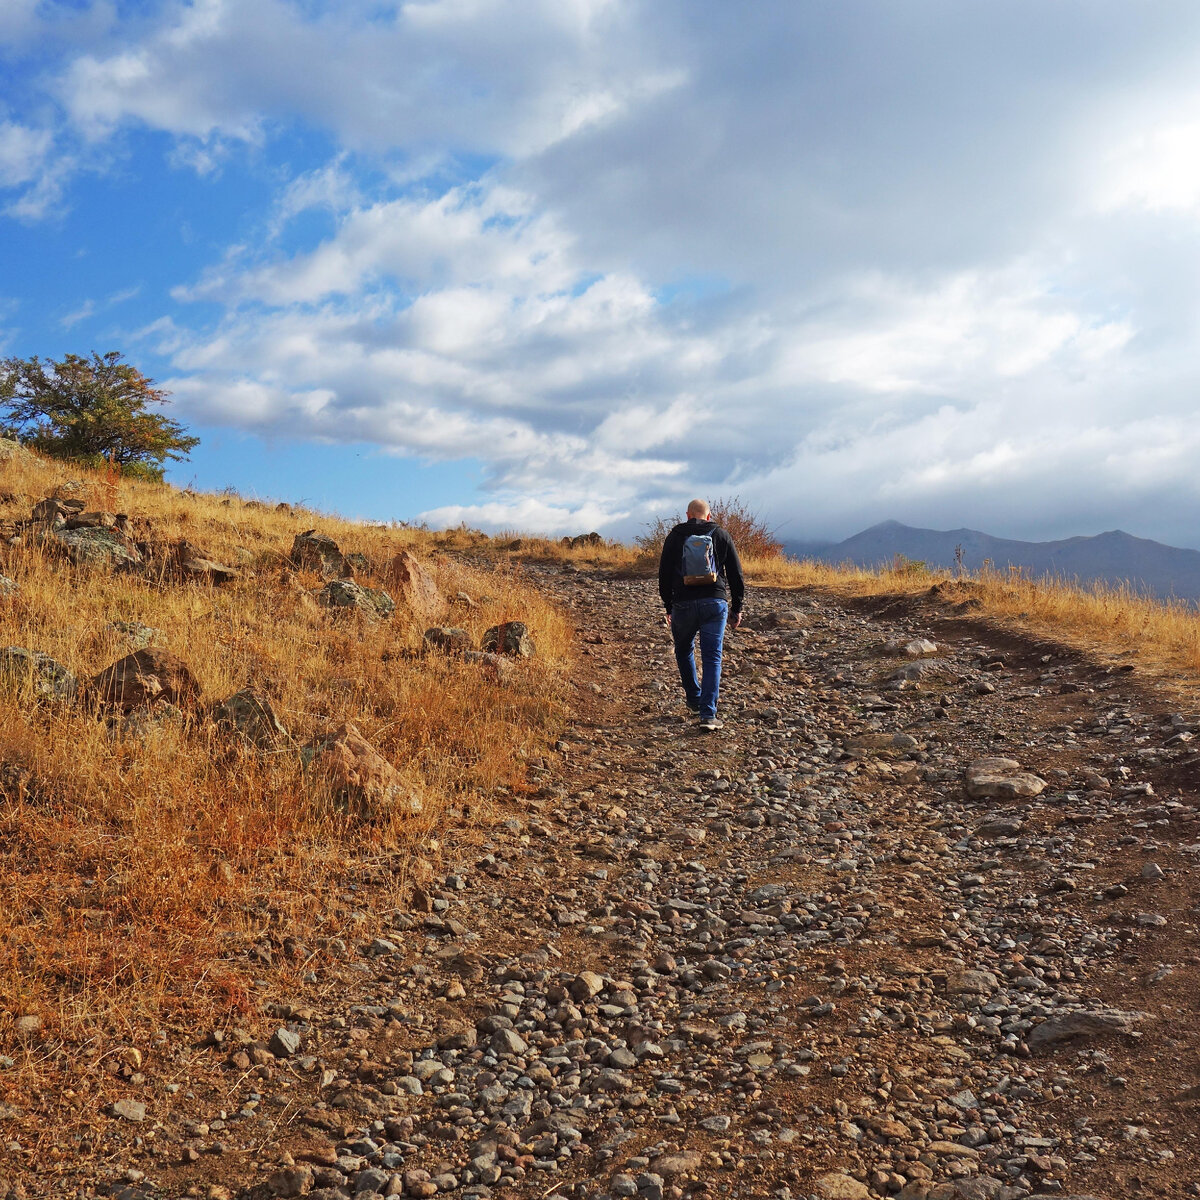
<point>1105,621</point>
<point>138,850</point>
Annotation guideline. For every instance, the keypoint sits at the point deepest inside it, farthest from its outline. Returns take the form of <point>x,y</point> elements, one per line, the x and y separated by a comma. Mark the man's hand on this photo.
<point>668,620</point>
<point>737,621</point>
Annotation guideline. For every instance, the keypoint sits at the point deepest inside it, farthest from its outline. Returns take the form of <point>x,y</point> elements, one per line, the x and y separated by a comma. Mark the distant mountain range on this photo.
<point>1114,557</point>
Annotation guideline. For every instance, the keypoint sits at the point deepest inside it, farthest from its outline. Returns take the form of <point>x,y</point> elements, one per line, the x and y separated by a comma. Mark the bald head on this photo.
<point>698,509</point>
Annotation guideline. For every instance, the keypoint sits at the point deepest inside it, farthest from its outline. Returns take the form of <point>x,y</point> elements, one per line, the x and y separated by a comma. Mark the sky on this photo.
<point>561,265</point>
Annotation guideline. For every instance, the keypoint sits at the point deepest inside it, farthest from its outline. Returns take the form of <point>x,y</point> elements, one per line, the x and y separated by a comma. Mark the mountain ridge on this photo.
<point>1111,557</point>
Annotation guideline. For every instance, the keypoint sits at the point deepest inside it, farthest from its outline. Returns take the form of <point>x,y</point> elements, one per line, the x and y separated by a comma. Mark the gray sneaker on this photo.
<point>711,723</point>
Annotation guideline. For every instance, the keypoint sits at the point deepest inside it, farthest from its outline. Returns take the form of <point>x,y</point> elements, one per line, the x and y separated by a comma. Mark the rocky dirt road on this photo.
<point>802,956</point>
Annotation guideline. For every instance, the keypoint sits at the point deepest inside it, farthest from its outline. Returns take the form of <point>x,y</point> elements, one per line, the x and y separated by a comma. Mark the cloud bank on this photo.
<point>929,261</point>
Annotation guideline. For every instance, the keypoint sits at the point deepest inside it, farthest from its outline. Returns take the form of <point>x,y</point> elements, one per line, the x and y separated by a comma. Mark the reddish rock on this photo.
<point>147,677</point>
<point>413,586</point>
<point>364,783</point>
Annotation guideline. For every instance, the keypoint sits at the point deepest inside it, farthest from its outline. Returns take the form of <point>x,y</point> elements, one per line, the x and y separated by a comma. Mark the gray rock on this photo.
<point>136,635</point>
<point>1001,779</point>
<point>251,715</point>
<point>971,983</point>
<point>500,668</point>
<point>96,547</point>
<point>313,551</point>
<point>622,1059</point>
<point>37,675</point>
<point>284,1043</point>
<point>511,638</point>
<point>129,1110</point>
<point>373,1179</point>
<point>345,593</point>
<point>1068,1027</point>
<point>508,1041</point>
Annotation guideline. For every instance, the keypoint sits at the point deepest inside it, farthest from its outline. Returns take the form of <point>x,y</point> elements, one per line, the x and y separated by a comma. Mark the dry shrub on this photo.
<point>751,534</point>
<point>140,857</point>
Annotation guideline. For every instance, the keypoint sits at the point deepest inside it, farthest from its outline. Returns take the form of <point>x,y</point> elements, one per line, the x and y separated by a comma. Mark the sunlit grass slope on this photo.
<point>134,856</point>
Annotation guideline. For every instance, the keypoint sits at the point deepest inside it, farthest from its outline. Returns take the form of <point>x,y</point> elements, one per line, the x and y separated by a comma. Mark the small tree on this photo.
<point>92,411</point>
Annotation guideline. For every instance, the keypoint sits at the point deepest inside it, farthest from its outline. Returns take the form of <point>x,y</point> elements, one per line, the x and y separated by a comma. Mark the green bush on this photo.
<point>93,412</point>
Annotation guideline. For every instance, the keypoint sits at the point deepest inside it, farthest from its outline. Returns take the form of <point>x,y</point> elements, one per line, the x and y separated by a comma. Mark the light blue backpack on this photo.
<point>699,560</point>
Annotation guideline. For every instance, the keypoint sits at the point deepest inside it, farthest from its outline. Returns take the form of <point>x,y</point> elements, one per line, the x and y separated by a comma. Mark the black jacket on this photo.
<point>729,586</point>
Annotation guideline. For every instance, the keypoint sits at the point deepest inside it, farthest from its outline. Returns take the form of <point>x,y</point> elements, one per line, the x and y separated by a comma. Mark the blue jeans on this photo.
<point>706,618</point>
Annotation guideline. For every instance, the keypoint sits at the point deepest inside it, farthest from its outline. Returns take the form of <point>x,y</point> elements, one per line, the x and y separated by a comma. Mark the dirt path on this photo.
<point>792,958</point>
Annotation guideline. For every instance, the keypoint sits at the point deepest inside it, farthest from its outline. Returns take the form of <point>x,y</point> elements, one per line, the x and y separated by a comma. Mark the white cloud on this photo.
<point>23,153</point>
<point>409,74</point>
<point>892,337</point>
<point>33,168</point>
<point>567,385</point>
<point>85,310</point>
<point>942,274</point>
<point>90,307</point>
<point>525,515</point>
<point>18,21</point>
<point>1158,169</point>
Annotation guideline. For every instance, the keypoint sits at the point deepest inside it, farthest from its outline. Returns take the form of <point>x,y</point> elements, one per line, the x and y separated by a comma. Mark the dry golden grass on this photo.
<point>134,859</point>
<point>518,547</point>
<point>1109,621</point>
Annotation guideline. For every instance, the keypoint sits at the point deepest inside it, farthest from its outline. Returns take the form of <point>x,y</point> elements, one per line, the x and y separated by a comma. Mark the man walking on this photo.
<point>699,579</point>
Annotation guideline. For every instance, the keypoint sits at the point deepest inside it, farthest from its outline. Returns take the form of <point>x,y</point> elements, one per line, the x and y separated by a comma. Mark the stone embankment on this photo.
<point>918,922</point>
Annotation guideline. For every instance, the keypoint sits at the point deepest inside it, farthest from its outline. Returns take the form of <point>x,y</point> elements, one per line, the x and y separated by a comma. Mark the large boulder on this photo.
<point>95,547</point>
<point>146,677</point>
<point>1001,779</point>
<point>1073,1026</point>
<point>511,638</point>
<point>313,551</point>
<point>363,782</point>
<point>44,677</point>
<point>414,587</point>
<point>249,714</point>
<point>345,593</point>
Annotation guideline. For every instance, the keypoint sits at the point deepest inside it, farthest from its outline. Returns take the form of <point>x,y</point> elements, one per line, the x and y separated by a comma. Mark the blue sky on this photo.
<point>562,264</point>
